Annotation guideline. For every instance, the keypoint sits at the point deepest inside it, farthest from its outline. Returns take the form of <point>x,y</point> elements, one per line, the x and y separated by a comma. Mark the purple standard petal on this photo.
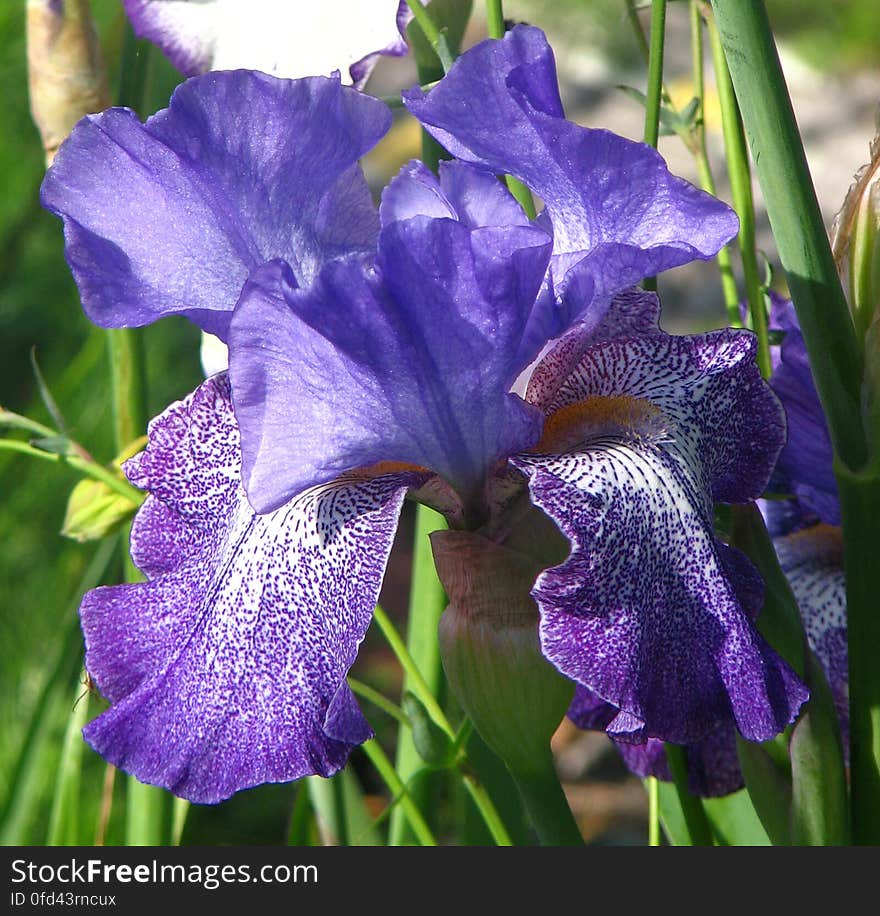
<point>470,194</point>
<point>812,560</point>
<point>284,38</point>
<point>617,214</point>
<point>805,466</point>
<point>411,362</point>
<point>171,216</point>
<point>647,433</point>
<point>227,668</point>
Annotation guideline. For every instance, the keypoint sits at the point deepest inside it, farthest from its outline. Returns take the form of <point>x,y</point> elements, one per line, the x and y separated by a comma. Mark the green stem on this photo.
<point>88,468</point>
<point>741,188</point>
<point>548,807</point>
<point>494,18</point>
<point>653,787</point>
<point>426,23</point>
<point>695,817</point>
<point>796,220</point>
<point>487,809</point>
<point>378,699</point>
<point>654,94</point>
<point>416,682</point>
<point>701,155</point>
<point>399,791</point>
<point>64,817</point>
<point>655,73</point>
<point>860,509</point>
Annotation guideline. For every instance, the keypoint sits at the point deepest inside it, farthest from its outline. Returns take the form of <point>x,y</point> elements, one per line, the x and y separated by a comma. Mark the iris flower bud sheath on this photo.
<point>490,648</point>
<point>65,69</point>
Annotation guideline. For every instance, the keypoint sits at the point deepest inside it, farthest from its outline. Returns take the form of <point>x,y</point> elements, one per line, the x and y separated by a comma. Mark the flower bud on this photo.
<point>65,70</point>
<point>855,239</point>
<point>490,648</point>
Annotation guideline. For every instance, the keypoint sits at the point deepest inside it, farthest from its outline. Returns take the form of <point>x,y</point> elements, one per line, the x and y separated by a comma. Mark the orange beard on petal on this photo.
<point>598,416</point>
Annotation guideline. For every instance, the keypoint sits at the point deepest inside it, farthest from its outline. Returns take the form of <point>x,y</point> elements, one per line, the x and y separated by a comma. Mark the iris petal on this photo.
<point>227,667</point>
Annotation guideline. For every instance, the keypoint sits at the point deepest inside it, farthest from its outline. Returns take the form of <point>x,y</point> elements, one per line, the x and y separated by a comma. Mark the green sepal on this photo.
<point>672,121</point>
<point>432,743</point>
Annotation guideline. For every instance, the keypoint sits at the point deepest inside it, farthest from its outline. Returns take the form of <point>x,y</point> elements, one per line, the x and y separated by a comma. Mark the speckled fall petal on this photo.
<point>171,216</point>
<point>227,667</point>
<point>648,432</point>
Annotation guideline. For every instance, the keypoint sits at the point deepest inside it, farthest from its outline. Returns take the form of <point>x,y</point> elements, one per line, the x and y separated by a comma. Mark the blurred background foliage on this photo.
<point>41,573</point>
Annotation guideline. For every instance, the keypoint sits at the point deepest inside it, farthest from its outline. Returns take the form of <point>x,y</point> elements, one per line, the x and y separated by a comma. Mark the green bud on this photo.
<point>65,70</point>
<point>94,511</point>
<point>491,651</point>
<point>432,743</point>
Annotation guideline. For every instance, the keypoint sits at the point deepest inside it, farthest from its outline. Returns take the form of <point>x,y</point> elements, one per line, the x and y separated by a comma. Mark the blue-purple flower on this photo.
<point>373,355</point>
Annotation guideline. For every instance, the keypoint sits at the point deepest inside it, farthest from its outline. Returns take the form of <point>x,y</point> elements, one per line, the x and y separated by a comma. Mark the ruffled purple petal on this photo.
<point>284,38</point>
<point>812,560</point>
<point>617,214</point>
<point>644,611</point>
<point>227,667</point>
<point>410,362</point>
<point>170,216</point>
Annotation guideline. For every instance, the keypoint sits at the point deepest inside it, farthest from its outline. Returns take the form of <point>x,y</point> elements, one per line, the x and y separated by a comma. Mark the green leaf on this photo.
<point>820,810</point>
<point>343,818</point>
<point>769,790</point>
<point>735,821</point>
<point>64,818</point>
<point>94,510</point>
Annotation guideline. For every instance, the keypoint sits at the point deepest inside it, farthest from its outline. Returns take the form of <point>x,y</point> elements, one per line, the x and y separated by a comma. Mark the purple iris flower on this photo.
<point>373,355</point>
<point>807,537</point>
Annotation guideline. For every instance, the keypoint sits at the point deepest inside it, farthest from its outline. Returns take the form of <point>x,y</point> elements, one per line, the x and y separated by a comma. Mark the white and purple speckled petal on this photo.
<point>284,38</point>
<point>171,216</point>
<point>728,426</point>
<point>409,362</point>
<point>618,215</point>
<point>633,313</point>
<point>812,560</point>
<point>646,611</point>
<point>643,611</point>
<point>227,668</point>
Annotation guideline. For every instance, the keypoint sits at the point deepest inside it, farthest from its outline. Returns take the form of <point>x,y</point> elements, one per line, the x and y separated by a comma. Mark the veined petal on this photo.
<point>170,216</point>
<point>410,362</point>
<point>284,38</point>
<point>729,428</point>
<point>617,213</point>
<point>812,560</point>
<point>227,667</point>
<point>647,432</point>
